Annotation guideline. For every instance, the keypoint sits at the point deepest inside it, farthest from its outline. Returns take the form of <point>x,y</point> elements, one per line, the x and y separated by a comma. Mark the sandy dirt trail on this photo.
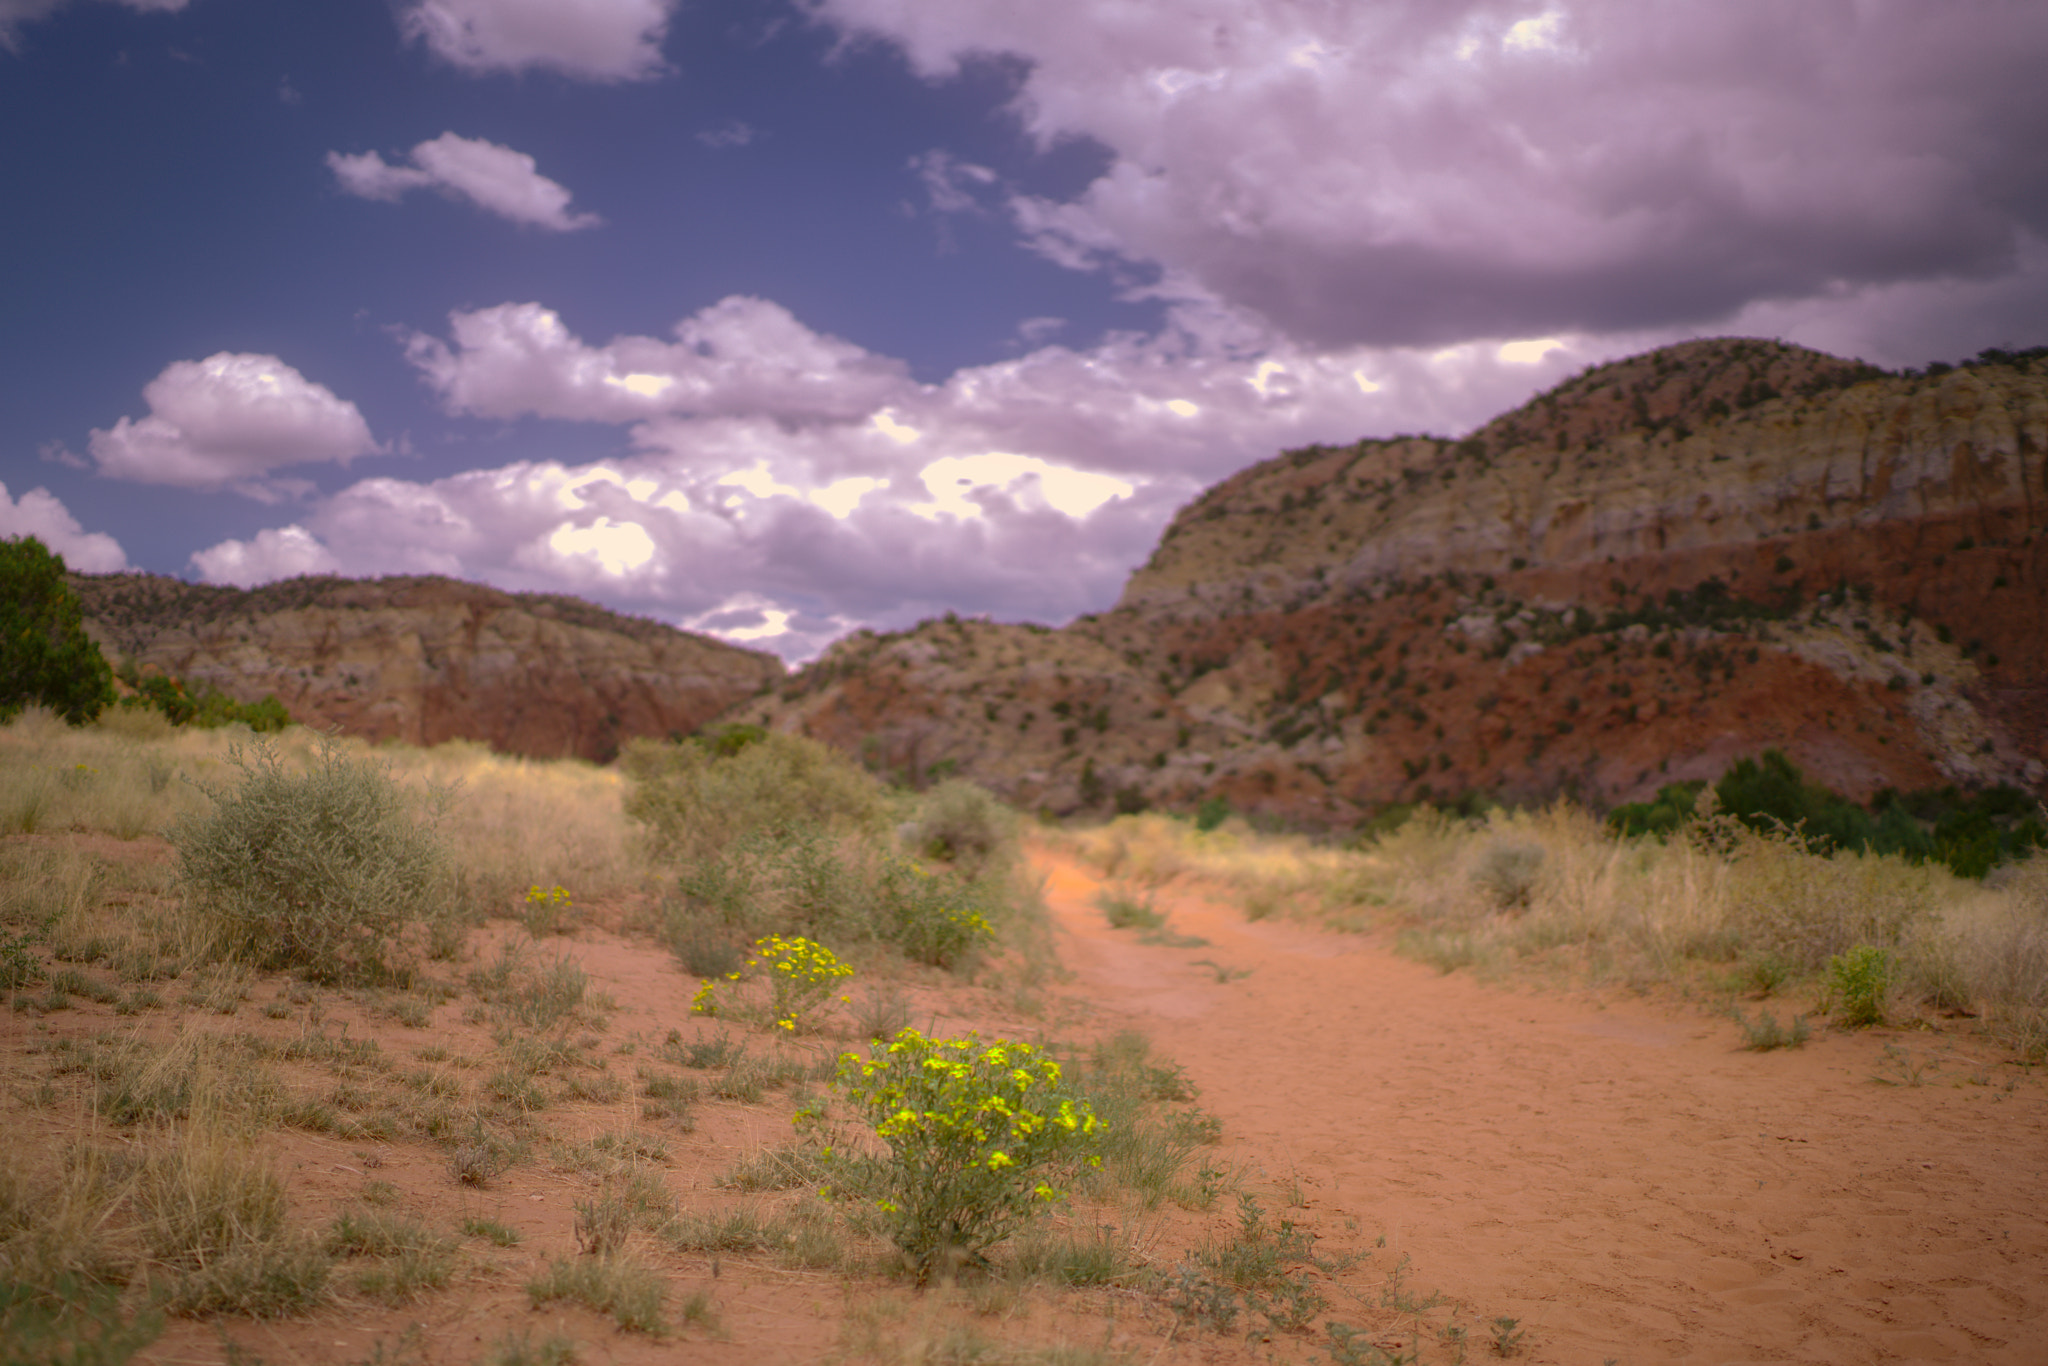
<point>1619,1176</point>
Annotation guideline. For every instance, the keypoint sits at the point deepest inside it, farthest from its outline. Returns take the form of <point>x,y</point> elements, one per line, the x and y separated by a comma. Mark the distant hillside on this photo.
<point>1657,567</point>
<point>426,659</point>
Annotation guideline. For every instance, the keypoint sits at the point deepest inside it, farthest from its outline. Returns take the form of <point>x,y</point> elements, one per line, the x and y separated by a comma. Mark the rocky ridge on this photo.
<point>1659,566</point>
<point>426,659</point>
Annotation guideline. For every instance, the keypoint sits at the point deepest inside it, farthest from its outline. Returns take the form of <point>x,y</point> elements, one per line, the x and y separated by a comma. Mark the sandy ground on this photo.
<point>1616,1175</point>
<point>1622,1178</point>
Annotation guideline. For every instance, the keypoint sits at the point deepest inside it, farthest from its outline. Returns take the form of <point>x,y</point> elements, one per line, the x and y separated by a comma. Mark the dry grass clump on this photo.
<point>191,1223</point>
<point>213,1215</point>
<point>396,1259</point>
<point>618,1284</point>
<point>120,775</point>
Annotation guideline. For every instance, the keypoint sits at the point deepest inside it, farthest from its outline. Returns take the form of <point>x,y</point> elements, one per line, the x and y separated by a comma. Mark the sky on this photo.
<point>779,318</point>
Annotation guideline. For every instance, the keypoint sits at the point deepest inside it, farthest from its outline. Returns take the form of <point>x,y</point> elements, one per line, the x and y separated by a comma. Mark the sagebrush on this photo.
<point>322,871</point>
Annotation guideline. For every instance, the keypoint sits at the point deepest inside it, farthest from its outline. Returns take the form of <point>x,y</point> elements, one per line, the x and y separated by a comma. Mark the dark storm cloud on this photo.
<point>1411,174</point>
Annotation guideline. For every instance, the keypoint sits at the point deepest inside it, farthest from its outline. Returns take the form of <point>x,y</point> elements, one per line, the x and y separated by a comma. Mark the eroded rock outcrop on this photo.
<point>427,659</point>
<point>1659,566</point>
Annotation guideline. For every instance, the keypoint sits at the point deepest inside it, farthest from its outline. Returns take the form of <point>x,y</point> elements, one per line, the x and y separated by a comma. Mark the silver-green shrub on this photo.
<point>960,824</point>
<point>322,871</point>
<point>778,834</point>
<point>694,802</point>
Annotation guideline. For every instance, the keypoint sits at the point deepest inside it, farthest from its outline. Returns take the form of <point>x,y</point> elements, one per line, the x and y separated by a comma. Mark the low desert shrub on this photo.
<point>1126,912</point>
<point>1764,1033</point>
<point>780,835</point>
<point>77,1327</point>
<point>1097,1257</point>
<point>2003,949</point>
<point>1145,1144</point>
<point>960,824</point>
<point>693,802</point>
<point>1860,984</point>
<point>976,1135</point>
<point>801,976</point>
<point>520,1349</point>
<point>322,871</point>
<point>1809,908</point>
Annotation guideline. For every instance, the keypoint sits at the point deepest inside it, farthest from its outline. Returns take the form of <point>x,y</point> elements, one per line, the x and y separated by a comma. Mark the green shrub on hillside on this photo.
<point>208,707</point>
<point>321,871</point>
<point>45,655</point>
<point>1970,833</point>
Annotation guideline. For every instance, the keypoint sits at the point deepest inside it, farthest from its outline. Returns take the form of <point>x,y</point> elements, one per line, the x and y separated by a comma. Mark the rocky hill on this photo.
<point>427,659</point>
<point>1657,567</point>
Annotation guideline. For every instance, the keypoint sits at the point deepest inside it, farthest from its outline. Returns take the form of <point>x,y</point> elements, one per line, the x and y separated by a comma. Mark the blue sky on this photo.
<point>783,317</point>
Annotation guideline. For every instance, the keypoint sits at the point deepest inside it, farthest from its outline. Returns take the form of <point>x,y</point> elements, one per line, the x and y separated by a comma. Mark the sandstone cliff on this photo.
<point>428,659</point>
<point>1662,565</point>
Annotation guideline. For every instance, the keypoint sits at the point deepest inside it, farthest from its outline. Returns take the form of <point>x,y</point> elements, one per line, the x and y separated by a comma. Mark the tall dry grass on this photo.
<point>1716,913</point>
<point>518,823</point>
<point>514,822</point>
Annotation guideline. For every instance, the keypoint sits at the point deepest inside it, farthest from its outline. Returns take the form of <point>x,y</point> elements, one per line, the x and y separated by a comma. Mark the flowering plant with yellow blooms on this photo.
<point>978,1136</point>
<point>802,975</point>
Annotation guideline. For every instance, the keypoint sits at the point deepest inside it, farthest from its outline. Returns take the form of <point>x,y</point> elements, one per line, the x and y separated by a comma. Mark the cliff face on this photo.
<point>429,659</point>
<point>1662,565</point>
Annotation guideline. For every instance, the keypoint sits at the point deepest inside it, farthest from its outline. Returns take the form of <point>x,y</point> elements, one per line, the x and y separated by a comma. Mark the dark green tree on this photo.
<point>45,654</point>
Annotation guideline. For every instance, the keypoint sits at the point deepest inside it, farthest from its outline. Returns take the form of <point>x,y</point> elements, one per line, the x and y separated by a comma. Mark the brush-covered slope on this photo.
<point>1659,566</point>
<point>427,659</point>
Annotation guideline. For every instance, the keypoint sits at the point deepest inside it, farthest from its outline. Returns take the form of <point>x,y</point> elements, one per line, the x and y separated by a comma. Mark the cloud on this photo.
<point>731,133</point>
<point>952,185</point>
<point>591,40</point>
<point>494,178</point>
<point>283,553</point>
<point>784,486</point>
<point>227,421</point>
<point>14,14</point>
<point>740,355</point>
<point>1422,172</point>
<point>41,515</point>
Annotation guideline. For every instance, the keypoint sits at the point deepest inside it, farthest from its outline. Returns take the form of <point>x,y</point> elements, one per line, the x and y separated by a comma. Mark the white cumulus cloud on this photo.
<point>494,178</point>
<point>740,355</point>
<point>40,514</point>
<point>229,420</point>
<point>592,40</point>
<point>280,553</point>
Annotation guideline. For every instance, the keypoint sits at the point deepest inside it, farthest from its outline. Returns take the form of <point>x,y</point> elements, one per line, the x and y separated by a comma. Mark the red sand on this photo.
<point>1623,1178</point>
<point>1617,1175</point>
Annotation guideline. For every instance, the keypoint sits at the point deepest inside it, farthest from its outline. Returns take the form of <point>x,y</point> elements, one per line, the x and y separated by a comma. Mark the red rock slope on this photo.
<point>1659,566</point>
<point>428,659</point>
